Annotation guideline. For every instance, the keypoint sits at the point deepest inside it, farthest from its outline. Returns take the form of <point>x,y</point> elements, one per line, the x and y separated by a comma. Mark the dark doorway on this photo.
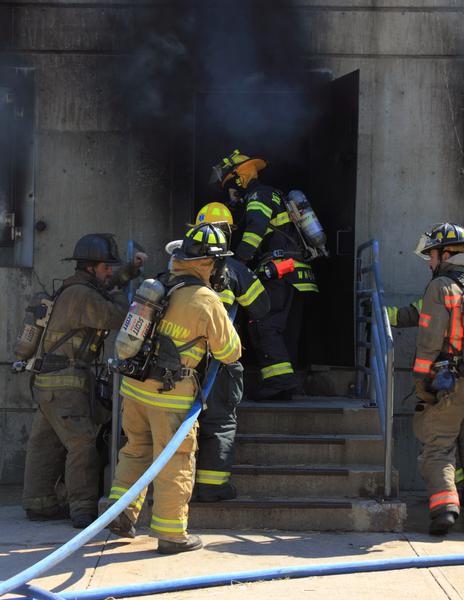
<point>310,140</point>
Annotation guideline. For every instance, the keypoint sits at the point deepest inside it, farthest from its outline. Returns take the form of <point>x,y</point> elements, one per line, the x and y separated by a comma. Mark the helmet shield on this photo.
<point>422,245</point>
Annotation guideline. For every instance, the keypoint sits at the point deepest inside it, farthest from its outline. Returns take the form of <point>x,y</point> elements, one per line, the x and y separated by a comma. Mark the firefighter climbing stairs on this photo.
<point>315,463</point>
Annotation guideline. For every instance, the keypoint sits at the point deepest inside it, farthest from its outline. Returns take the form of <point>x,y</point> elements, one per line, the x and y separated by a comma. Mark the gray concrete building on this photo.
<point>110,102</point>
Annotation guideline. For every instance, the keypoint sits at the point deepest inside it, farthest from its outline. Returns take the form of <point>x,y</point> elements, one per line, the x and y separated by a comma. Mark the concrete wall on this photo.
<point>96,172</point>
<point>411,136</point>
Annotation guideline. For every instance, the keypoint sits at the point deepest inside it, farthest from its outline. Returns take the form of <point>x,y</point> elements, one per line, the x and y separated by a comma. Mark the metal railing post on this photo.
<point>381,351</point>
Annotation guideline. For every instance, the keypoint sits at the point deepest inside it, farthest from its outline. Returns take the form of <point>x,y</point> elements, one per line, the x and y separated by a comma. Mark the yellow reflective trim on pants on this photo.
<point>255,289</point>
<point>276,370</point>
<point>252,239</point>
<point>255,205</point>
<point>59,381</point>
<point>280,219</point>
<point>306,287</point>
<point>154,398</point>
<point>212,477</point>
<point>228,349</point>
<point>168,525</point>
<point>459,476</point>
<point>227,297</point>
<point>117,492</point>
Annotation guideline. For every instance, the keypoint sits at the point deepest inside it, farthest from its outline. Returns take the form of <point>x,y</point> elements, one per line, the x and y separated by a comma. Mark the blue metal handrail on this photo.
<point>374,347</point>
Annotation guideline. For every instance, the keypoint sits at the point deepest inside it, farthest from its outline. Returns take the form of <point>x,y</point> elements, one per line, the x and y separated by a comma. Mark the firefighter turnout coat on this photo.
<point>438,425</point>
<point>63,435</point>
<point>268,229</point>
<point>151,416</point>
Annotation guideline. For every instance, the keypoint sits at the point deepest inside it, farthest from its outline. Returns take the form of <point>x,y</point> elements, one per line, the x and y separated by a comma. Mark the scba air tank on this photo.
<point>34,324</point>
<point>139,319</point>
<point>305,218</point>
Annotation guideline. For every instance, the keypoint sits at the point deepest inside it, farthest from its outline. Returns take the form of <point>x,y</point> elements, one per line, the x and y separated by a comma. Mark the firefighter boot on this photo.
<point>214,493</point>
<point>169,547</point>
<point>442,523</point>
<point>122,526</point>
<point>82,521</point>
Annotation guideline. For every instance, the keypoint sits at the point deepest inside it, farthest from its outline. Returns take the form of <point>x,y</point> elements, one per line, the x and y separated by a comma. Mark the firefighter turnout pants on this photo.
<point>268,339</point>
<point>218,425</point>
<point>148,430</point>
<point>62,440</point>
<point>437,427</point>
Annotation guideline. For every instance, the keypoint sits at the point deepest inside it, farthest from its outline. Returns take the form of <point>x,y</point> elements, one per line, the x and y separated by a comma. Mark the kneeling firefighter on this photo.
<point>218,424</point>
<point>157,397</point>
<point>274,242</point>
<point>438,370</point>
<point>64,431</point>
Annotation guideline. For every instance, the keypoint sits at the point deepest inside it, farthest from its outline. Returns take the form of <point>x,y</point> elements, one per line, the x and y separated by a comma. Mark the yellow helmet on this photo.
<point>214,212</point>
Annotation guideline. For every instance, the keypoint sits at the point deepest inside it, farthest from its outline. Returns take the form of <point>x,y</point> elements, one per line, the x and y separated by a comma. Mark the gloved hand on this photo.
<point>423,391</point>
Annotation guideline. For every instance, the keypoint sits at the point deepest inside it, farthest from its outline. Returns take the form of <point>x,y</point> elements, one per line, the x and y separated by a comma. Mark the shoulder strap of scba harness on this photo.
<point>40,355</point>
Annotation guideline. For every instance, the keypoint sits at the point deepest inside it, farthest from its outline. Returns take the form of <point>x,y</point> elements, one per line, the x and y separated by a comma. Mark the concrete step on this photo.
<point>298,514</point>
<point>318,415</point>
<point>297,481</point>
<point>310,449</point>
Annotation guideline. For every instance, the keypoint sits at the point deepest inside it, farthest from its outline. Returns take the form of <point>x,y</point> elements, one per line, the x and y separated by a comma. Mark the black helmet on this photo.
<point>203,241</point>
<point>96,248</point>
<point>443,236</point>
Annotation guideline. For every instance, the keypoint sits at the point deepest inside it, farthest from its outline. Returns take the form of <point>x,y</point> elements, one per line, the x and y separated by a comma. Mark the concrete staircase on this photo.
<point>312,464</point>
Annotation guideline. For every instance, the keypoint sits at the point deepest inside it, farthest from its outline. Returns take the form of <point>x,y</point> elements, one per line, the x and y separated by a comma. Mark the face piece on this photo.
<point>219,278</point>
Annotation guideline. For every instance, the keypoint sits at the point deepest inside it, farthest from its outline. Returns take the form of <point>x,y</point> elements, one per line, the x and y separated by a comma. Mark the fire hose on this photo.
<point>17,581</point>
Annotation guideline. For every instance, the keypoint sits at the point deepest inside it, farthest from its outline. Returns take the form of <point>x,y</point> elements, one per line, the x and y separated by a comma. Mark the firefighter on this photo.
<point>440,390</point>
<point>151,416</point>
<point>63,435</point>
<point>269,234</point>
<point>218,424</point>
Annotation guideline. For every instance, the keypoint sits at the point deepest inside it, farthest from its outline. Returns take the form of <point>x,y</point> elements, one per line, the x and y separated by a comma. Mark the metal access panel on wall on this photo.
<point>16,167</point>
<point>309,138</point>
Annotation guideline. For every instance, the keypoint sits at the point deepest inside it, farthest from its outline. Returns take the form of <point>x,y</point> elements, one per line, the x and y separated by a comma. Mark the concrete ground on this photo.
<point>108,561</point>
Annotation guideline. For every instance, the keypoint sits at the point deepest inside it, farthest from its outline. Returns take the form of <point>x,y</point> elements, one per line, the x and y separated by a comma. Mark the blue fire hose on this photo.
<point>17,581</point>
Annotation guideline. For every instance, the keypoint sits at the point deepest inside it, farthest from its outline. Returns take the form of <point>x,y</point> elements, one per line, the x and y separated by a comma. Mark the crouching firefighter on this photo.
<point>274,242</point>
<point>234,283</point>
<point>161,383</point>
<point>437,370</point>
<point>64,431</point>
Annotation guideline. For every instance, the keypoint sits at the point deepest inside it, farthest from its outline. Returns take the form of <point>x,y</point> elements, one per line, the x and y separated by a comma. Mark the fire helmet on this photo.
<point>96,248</point>
<point>224,171</point>
<point>203,241</point>
<point>443,236</point>
<point>214,212</point>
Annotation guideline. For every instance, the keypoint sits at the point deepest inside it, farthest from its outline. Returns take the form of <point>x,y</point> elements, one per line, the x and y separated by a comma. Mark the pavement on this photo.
<point>108,561</point>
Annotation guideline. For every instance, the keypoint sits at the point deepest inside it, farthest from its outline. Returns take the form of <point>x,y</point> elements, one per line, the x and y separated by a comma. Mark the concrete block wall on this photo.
<point>96,171</point>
